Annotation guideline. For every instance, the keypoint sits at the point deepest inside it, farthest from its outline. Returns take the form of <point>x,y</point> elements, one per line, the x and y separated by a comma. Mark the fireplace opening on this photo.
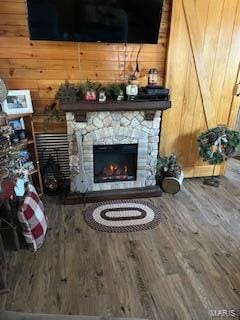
<point>116,162</point>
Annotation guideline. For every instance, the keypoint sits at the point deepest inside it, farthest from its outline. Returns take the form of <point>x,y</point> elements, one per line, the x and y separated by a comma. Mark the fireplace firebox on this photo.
<point>116,162</point>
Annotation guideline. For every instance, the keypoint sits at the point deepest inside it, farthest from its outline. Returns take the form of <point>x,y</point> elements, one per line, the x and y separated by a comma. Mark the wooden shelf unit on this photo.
<point>30,145</point>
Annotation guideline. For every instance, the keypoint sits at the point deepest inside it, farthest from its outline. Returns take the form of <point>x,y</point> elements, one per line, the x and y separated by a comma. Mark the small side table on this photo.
<point>10,223</point>
<point>8,210</point>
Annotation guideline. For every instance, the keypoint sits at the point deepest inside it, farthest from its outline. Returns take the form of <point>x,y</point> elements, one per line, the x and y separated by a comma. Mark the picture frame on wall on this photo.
<point>18,102</point>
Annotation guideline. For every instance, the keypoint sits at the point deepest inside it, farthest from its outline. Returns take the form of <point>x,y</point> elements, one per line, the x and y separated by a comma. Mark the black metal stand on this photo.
<point>212,181</point>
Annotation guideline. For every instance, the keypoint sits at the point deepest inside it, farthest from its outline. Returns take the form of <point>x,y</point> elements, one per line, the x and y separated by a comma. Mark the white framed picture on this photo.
<point>18,102</point>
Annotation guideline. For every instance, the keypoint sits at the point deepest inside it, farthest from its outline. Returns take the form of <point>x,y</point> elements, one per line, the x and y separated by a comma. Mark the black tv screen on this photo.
<point>131,21</point>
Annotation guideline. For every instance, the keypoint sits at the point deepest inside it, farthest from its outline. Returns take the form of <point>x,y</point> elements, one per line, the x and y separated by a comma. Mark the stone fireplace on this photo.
<point>113,150</point>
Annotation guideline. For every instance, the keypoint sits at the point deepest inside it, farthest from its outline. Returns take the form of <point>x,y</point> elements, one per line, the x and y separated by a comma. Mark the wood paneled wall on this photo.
<point>42,66</point>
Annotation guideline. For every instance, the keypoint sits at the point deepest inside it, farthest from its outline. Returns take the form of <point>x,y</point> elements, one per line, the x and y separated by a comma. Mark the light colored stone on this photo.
<point>134,123</point>
<point>102,115</point>
<point>71,138</point>
<point>92,115</point>
<point>73,148</point>
<point>69,116</point>
<point>129,115</point>
<point>154,146</point>
<point>152,177</point>
<point>142,135</point>
<point>154,139</point>
<point>147,124</point>
<point>158,114</point>
<point>97,134</point>
<point>154,154</point>
<point>153,132</point>
<point>74,170</point>
<point>142,156</point>
<point>115,124</point>
<point>108,141</point>
<point>135,133</point>
<point>80,125</point>
<point>122,132</point>
<point>91,128</point>
<point>150,148</point>
<point>156,123</point>
<point>153,162</point>
<point>107,121</point>
<point>150,183</point>
<point>87,142</point>
<point>124,122</point>
<point>73,161</point>
<point>116,116</point>
<point>70,128</point>
<point>107,132</point>
<point>98,123</point>
<point>140,116</point>
<point>93,135</point>
<point>145,129</point>
<point>88,148</point>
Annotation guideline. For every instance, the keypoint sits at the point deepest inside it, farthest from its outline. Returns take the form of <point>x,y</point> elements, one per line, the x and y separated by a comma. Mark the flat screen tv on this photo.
<point>127,21</point>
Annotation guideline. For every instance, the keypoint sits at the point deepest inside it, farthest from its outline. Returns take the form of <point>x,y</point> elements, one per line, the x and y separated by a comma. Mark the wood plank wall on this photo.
<point>42,66</point>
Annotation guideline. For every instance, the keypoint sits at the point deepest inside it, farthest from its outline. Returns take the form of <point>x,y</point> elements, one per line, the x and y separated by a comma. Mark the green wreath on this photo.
<point>218,144</point>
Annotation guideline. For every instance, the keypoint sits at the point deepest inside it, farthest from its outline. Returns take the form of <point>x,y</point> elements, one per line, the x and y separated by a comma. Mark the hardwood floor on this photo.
<point>186,266</point>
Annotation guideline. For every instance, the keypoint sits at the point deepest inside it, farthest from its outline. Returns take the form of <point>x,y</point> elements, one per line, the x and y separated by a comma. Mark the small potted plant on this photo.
<point>169,174</point>
<point>115,91</point>
<point>67,93</point>
<point>52,114</point>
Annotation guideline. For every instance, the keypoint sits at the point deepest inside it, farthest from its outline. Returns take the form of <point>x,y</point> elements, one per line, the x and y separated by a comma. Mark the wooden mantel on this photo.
<point>80,109</point>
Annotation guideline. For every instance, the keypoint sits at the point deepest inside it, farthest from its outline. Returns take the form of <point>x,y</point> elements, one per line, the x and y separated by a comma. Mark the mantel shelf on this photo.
<point>149,106</point>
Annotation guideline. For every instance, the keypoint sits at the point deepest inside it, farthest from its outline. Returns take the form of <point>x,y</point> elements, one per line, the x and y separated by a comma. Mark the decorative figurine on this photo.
<point>120,96</point>
<point>102,96</point>
<point>152,77</point>
<point>132,91</point>
<point>22,134</point>
<point>90,95</point>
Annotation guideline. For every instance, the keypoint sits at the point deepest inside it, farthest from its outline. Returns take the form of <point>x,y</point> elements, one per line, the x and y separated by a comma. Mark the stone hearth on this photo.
<point>108,128</point>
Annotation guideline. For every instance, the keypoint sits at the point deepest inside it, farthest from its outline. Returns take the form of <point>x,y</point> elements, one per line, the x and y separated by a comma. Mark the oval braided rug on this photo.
<point>122,216</point>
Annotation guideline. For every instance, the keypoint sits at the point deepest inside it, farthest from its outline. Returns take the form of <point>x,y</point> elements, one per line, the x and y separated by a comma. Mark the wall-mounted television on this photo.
<point>127,21</point>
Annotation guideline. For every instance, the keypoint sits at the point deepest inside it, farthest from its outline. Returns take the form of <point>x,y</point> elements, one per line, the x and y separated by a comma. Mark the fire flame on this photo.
<point>114,171</point>
<point>113,168</point>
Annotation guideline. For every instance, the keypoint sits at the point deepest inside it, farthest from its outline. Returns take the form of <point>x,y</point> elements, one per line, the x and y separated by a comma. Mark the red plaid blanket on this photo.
<point>33,219</point>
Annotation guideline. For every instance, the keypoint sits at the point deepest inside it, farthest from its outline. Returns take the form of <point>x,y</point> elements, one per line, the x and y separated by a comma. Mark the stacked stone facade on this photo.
<point>108,128</point>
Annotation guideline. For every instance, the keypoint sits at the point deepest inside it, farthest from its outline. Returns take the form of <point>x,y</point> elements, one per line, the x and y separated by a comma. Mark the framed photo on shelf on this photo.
<point>17,124</point>
<point>18,102</point>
